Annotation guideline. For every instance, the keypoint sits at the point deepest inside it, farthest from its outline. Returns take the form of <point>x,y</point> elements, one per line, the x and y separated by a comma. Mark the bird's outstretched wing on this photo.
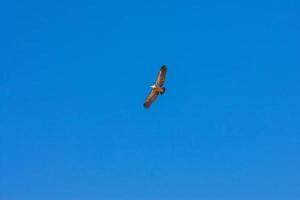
<point>150,98</point>
<point>161,76</point>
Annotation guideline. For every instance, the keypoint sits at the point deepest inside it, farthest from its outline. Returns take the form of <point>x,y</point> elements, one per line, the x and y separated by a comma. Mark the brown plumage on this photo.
<point>157,88</point>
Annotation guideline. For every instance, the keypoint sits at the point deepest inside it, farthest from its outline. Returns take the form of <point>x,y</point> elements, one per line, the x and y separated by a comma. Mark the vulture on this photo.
<point>157,87</point>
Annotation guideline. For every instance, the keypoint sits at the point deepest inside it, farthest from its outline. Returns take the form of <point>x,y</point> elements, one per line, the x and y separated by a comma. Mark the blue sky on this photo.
<point>74,75</point>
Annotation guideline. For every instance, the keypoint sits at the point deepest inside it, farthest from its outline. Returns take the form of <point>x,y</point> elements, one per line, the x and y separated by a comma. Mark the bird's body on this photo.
<point>157,88</point>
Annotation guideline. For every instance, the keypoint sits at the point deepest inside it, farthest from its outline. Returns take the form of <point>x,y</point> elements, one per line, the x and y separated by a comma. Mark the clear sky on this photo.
<point>74,75</point>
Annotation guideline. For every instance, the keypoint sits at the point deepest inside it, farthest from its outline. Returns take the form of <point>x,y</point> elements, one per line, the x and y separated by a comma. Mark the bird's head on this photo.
<point>153,86</point>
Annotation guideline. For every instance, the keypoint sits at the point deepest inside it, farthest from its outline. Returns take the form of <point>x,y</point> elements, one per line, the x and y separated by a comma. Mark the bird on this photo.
<point>157,87</point>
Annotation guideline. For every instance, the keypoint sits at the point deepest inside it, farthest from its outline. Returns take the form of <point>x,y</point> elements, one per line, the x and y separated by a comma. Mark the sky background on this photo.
<point>74,75</point>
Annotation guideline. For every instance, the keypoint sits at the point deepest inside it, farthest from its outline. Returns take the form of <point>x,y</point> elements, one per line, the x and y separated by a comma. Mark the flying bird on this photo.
<point>157,87</point>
